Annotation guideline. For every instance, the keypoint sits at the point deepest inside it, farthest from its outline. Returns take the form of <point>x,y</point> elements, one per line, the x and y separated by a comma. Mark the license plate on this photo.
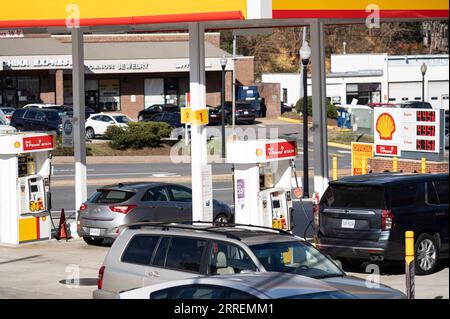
<point>213,115</point>
<point>246,112</point>
<point>94,231</point>
<point>348,223</point>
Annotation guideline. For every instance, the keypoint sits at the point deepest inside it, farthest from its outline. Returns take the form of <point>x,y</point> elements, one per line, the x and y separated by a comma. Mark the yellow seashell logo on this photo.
<point>385,126</point>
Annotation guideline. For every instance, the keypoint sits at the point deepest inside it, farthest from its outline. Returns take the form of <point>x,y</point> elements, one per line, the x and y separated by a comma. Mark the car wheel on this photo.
<point>222,218</point>
<point>426,254</point>
<point>93,241</point>
<point>90,133</point>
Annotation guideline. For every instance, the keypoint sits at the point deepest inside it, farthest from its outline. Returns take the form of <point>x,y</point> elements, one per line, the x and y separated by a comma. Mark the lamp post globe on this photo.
<point>223,62</point>
<point>423,69</point>
<point>305,53</point>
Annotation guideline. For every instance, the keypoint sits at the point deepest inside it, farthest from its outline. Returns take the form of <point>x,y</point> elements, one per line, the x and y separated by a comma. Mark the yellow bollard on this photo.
<point>395,164</point>
<point>409,264</point>
<point>335,168</point>
<point>364,166</point>
<point>424,165</point>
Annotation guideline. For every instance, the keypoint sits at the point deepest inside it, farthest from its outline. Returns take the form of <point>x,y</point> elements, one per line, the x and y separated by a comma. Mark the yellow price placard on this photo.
<point>186,115</point>
<point>200,117</point>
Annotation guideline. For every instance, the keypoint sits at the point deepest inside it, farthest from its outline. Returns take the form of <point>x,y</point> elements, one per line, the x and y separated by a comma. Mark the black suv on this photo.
<point>36,120</point>
<point>149,112</point>
<point>415,105</point>
<point>366,217</point>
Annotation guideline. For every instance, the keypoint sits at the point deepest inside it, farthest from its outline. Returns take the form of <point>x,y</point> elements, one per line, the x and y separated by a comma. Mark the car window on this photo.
<point>140,250</point>
<point>96,118</point>
<point>122,119</point>
<point>180,194</point>
<point>238,294</point>
<point>111,196</point>
<point>52,116</point>
<point>156,194</point>
<point>404,195</point>
<point>194,291</point>
<point>228,259</point>
<point>40,116</point>
<point>107,119</point>
<point>442,190</point>
<point>161,252</point>
<point>432,196</point>
<point>30,115</point>
<point>295,257</point>
<point>185,254</point>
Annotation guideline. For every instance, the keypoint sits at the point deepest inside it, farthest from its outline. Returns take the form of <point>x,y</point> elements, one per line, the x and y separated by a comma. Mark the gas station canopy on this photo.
<point>56,13</point>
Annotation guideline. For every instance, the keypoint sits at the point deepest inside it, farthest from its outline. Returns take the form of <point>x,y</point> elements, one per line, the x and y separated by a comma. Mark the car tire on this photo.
<point>90,133</point>
<point>93,241</point>
<point>222,218</point>
<point>426,254</point>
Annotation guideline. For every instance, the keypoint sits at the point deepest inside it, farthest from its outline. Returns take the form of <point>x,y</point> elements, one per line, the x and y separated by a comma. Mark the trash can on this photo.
<point>343,120</point>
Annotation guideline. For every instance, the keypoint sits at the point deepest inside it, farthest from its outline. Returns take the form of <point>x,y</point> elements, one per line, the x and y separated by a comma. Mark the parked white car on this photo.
<point>97,124</point>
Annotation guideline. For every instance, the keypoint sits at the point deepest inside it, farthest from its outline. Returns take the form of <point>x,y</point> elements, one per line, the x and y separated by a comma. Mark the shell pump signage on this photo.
<point>25,163</point>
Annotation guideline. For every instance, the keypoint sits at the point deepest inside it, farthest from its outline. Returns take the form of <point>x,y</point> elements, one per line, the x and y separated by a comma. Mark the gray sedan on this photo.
<point>111,207</point>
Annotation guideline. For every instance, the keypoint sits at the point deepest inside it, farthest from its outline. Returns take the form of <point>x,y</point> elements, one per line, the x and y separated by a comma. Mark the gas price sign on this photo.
<point>412,130</point>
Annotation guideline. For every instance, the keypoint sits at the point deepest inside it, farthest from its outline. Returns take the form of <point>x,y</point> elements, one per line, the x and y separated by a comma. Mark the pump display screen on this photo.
<point>34,188</point>
<point>276,204</point>
<point>25,165</point>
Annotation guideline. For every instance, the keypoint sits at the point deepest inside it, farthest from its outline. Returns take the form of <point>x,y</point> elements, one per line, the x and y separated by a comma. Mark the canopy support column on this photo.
<point>319,109</point>
<point>199,156</point>
<point>79,130</point>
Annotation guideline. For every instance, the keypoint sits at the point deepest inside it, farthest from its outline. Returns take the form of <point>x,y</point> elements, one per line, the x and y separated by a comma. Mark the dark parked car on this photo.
<point>111,207</point>
<point>36,120</point>
<point>415,105</point>
<point>366,217</point>
<point>245,113</point>
<point>155,109</point>
<point>171,118</point>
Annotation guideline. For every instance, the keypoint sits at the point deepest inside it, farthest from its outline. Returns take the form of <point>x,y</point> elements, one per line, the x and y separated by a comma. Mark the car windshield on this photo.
<point>121,119</point>
<point>343,196</point>
<point>295,257</point>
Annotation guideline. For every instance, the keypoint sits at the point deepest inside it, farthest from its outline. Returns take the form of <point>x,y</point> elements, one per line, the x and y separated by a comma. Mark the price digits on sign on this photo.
<point>426,116</point>
<point>426,130</point>
<point>426,145</point>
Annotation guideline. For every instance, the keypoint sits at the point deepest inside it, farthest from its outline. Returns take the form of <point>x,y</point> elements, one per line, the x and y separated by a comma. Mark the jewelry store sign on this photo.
<point>44,63</point>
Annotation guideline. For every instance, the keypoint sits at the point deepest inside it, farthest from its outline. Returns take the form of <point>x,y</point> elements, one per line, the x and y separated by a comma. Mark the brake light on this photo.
<point>123,209</point>
<point>387,218</point>
<point>101,272</point>
<point>83,207</point>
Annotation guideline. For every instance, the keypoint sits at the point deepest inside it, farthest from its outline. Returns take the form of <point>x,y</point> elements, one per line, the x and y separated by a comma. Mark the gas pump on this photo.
<point>25,163</point>
<point>263,181</point>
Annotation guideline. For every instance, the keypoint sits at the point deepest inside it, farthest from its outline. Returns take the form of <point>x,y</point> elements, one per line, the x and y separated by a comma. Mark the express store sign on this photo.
<point>36,143</point>
<point>281,150</point>
<point>412,130</point>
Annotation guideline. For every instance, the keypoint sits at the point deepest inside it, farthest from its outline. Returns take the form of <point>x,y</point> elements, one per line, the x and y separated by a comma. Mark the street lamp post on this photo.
<point>223,64</point>
<point>305,55</point>
<point>423,69</point>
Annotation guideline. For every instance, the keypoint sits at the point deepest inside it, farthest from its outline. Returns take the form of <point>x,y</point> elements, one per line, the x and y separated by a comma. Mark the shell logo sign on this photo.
<point>385,126</point>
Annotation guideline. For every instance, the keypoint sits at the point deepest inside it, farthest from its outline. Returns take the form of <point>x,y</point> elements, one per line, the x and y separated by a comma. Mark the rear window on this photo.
<point>111,197</point>
<point>341,196</point>
<point>52,116</point>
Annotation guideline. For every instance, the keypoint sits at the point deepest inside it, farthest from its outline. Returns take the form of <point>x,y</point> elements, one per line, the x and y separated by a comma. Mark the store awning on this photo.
<point>57,13</point>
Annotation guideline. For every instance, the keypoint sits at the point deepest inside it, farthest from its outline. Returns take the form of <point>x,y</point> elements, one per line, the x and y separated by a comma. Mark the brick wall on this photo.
<point>130,86</point>
<point>271,94</point>
<point>245,71</point>
<point>59,87</point>
<point>382,164</point>
<point>47,86</point>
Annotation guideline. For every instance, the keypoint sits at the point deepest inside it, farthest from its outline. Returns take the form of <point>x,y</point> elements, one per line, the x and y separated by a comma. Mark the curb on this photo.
<point>112,181</point>
<point>339,145</point>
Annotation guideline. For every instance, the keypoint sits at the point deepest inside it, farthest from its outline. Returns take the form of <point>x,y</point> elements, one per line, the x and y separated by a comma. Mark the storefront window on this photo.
<point>365,93</point>
<point>68,97</point>
<point>28,90</point>
<point>109,95</point>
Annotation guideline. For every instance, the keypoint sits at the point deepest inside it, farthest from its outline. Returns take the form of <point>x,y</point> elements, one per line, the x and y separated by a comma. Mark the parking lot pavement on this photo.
<point>40,270</point>
<point>46,270</point>
<point>427,287</point>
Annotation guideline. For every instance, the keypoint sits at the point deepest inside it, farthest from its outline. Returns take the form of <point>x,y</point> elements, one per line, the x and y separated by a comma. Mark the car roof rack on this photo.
<point>211,229</point>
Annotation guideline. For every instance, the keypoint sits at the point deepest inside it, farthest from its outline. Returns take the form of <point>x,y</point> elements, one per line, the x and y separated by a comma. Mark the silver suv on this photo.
<point>146,254</point>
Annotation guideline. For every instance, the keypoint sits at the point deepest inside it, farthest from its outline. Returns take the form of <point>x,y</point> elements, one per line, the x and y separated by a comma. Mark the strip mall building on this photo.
<point>124,73</point>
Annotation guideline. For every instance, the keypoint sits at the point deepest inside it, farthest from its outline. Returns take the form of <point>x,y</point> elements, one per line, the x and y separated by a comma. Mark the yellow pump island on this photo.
<point>25,166</point>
